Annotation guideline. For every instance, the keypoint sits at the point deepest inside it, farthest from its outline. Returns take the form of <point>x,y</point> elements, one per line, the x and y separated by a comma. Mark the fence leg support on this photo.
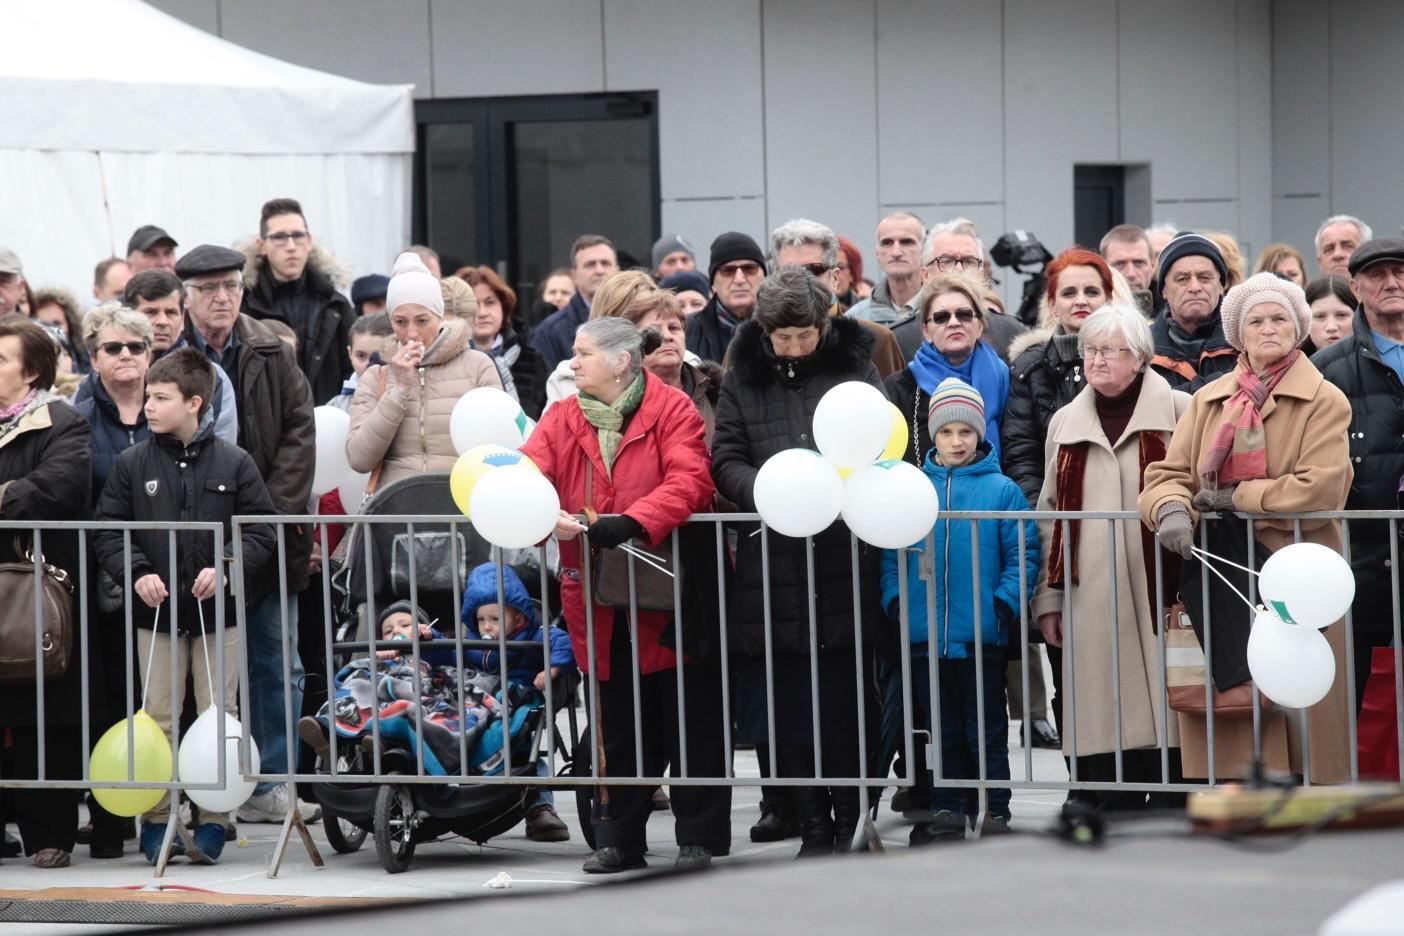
<point>294,820</point>
<point>174,827</point>
<point>868,837</point>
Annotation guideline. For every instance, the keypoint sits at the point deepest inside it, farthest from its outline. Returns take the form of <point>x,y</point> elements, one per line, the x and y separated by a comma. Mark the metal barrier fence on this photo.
<point>394,568</point>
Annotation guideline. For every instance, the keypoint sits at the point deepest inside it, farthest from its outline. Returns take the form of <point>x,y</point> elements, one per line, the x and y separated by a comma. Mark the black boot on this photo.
<point>777,820</point>
<point>815,821</point>
<point>848,812</point>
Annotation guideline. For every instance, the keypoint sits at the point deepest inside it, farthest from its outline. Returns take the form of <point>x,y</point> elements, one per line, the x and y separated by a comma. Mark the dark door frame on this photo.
<point>494,220</point>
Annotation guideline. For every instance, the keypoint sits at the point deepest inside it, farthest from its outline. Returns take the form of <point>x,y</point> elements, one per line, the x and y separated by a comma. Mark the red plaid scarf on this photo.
<point>1239,450</point>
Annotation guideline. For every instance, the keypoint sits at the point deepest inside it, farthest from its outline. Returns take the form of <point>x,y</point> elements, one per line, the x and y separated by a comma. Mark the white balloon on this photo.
<point>798,493</point>
<point>352,491</point>
<point>514,507</point>
<point>852,424</point>
<point>890,504</point>
<point>330,465</point>
<point>1308,584</point>
<point>487,416</point>
<point>1292,664</point>
<point>198,761</point>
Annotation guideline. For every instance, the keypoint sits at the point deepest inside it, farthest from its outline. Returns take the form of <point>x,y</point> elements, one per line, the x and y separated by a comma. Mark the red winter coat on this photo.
<point>662,475</point>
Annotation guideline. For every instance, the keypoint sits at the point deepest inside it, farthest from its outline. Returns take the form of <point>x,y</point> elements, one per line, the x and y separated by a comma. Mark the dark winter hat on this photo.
<point>1189,244</point>
<point>148,236</point>
<point>207,259</point>
<point>403,606</point>
<point>369,287</point>
<point>733,245</point>
<point>1375,250</point>
<point>670,244</point>
<point>687,280</point>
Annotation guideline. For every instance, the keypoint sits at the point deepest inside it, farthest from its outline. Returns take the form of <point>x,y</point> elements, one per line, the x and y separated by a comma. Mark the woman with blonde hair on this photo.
<point>1285,261</point>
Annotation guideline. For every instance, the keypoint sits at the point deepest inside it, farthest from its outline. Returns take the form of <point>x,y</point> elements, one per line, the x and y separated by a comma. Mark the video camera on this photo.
<point>1017,250</point>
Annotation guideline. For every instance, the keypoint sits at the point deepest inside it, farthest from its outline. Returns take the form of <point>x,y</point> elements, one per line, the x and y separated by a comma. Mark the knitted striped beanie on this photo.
<point>956,401</point>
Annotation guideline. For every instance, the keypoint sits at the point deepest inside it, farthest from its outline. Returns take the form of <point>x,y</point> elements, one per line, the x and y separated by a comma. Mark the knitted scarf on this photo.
<point>10,416</point>
<point>1239,450</point>
<point>608,418</point>
<point>1072,472</point>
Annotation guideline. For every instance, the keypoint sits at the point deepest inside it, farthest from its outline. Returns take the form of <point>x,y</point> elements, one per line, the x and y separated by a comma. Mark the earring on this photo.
<point>618,378</point>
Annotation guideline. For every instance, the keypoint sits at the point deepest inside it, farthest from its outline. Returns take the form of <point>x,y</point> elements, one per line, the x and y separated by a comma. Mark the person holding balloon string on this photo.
<point>183,473</point>
<point>1267,438</point>
<point>630,450</point>
<point>965,472</point>
<point>400,414</point>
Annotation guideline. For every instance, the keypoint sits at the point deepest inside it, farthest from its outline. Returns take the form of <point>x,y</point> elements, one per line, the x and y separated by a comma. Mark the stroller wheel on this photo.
<point>343,835</point>
<point>584,795</point>
<point>394,829</point>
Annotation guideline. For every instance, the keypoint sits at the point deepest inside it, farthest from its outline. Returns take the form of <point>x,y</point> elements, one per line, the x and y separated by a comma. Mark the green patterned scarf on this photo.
<point>608,418</point>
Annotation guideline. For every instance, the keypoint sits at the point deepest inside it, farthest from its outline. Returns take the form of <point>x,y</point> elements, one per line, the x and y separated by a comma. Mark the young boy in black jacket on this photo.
<point>183,473</point>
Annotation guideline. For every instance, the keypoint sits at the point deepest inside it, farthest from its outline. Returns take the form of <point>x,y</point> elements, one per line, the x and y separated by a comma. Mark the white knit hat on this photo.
<point>411,283</point>
<point>1257,289</point>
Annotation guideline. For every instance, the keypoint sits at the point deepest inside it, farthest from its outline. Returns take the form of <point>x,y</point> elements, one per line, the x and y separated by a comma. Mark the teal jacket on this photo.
<point>978,486</point>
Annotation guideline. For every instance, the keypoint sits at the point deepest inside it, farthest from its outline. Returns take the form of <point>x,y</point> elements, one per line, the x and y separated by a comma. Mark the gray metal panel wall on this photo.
<point>487,49</point>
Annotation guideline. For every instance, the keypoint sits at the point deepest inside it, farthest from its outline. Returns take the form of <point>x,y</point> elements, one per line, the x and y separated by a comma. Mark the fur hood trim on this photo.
<point>319,261</point>
<point>846,346</point>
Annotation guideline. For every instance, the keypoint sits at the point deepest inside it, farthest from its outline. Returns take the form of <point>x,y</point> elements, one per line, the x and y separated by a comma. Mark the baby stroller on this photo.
<point>401,815</point>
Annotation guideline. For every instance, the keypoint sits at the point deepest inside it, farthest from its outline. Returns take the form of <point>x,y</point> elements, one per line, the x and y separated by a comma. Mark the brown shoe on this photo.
<point>51,858</point>
<point>661,803</point>
<point>543,825</point>
<point>312,733</point>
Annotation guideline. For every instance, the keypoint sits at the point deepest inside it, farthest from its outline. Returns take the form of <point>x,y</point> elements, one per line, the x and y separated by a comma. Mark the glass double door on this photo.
<point>511,182</point>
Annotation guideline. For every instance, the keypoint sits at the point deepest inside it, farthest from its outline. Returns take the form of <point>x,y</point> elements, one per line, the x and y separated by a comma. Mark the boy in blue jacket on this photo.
<point>484,619</point>
<point>965,472</point>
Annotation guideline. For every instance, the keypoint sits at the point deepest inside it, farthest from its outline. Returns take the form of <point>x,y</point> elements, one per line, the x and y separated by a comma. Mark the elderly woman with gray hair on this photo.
<point>629,449</point>
<point>783,360</point>
<point>1098,449</point>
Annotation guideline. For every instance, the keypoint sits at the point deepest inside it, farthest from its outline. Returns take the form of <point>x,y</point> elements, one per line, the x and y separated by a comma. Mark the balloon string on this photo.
<point>151,655</point>
<point>205,646</point>
<point>1221,575</point>
<point>1205,554</point>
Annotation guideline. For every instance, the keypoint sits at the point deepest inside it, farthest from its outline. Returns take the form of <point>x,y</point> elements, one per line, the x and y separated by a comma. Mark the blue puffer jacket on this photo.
<point>110,436</point>
<point>522,666</point>
<point>977,486</point>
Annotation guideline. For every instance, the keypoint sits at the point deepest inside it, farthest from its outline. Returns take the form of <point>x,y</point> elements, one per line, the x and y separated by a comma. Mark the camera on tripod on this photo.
<point>1018,250</point>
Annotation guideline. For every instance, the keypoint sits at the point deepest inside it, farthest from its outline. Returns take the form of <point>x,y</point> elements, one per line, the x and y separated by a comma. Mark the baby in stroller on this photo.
<point>484,618</point>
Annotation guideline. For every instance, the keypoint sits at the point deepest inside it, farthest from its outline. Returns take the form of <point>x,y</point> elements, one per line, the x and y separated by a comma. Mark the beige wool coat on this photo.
<point>1111,483</point>
<point>1305,421</point>
<point>410,434</point>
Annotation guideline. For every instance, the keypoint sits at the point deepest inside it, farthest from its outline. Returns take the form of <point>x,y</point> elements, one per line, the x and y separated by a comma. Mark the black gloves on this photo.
<point>1005,615</point>
<point>609,532</point>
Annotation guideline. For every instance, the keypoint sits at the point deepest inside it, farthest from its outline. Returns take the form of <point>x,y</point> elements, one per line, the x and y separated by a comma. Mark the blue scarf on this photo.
<point>984,370</point>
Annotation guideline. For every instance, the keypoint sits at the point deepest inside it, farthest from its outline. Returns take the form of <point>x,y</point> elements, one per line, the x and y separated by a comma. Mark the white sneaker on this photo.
<point>273,807</point>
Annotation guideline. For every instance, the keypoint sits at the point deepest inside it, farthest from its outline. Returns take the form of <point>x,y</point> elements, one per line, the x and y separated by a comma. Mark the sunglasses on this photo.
<point>114,348</point>
<point>963,316</point>
<point>816,270</point>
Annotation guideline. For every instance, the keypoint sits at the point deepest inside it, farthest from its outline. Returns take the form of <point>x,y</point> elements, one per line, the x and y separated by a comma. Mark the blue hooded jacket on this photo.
<point>976,486</point>
<point>523,665</point>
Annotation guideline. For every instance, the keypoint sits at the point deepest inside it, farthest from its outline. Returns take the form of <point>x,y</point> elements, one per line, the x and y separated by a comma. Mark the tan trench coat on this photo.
<point>1111,483</point>
<point>1305,421</point>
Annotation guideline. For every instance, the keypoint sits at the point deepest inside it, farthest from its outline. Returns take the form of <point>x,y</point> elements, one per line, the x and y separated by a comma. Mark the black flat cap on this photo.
<point>1375,250</point>
<point>148,236</point>
<point>207,259</point>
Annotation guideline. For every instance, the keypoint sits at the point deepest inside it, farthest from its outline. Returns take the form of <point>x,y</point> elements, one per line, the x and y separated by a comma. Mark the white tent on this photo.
<point>118,115</point>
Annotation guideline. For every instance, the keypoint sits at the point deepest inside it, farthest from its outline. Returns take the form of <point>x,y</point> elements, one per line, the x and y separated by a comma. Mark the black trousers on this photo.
<point>46,818</point>
<point>1139,766</point>
<point>702,814</point>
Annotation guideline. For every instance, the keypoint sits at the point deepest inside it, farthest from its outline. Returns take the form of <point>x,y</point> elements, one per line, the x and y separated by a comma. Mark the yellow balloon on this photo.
<point>476,462</point>
<point>897,441</point>
<point>845,472</point>
<point>152,762</point>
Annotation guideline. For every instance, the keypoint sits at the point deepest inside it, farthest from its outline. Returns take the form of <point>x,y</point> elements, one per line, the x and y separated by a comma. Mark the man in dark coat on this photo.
<point>736,268</point>
<point>288,278</point>
<point>1190,347</point>
<point>1367,368</point>
<point>277,429</point>
<point>592,261</point>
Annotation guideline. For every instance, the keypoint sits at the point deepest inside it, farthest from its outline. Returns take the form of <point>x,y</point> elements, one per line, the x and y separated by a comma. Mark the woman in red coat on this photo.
<point>639,445</point>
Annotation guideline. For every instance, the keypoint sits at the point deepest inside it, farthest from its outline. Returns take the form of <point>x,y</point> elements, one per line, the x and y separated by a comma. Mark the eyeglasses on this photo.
<point>282,237</point>
<point>210,290</point>
<point>963,316</point>
<point>816,270</point>
<point>1106,354</point>
<point>946,263</point>
<point>729,270</point>
<point>114,348</point>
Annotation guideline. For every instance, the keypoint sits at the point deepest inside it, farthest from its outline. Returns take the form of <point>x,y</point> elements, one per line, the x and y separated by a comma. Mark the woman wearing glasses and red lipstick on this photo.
<point>953,328</point>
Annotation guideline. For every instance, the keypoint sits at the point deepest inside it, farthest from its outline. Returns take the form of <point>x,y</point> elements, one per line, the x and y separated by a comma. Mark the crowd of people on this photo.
<point>1161,377</point>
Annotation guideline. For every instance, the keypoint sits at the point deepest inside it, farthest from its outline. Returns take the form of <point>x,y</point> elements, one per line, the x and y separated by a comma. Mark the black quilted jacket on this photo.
<point>767,406</point>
